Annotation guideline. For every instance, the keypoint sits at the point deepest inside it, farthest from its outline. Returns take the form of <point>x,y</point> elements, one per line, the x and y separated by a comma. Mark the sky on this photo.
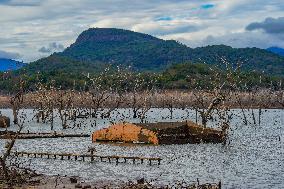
<point>32,29</point>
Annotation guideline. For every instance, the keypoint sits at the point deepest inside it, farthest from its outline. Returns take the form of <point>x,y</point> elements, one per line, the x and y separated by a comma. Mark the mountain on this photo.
<point>276,50</point>
<point>117,46</point>
<point>8,64</point>
<point>99,46</point>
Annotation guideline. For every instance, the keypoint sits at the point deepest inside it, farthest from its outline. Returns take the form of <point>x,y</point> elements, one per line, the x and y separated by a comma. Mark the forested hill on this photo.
<point>276,50</point>
<point>8,64</point>
<point>99,46</point>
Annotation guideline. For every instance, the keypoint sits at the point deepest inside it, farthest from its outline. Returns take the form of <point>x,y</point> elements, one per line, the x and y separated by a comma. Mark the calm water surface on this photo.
<point>254,157</point>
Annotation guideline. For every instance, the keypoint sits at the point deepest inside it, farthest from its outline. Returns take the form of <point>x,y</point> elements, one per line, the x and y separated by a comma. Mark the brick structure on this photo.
<point>159,133</point>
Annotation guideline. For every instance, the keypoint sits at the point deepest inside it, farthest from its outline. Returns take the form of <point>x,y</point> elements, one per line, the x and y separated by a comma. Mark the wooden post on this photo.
<point>92,158</point>
<point>92,150</point>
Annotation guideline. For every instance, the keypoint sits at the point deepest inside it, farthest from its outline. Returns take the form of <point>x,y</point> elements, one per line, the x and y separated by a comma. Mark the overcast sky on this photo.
<point>30,29</point>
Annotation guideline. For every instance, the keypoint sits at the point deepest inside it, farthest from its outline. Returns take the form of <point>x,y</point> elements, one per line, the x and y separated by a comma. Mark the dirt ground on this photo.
<point>53,182</point>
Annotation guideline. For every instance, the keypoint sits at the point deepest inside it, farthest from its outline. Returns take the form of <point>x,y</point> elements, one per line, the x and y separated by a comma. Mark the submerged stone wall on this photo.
<point>159,133</point>
<point>125,132</point>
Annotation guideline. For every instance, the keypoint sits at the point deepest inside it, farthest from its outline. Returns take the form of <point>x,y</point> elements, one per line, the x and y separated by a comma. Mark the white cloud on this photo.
<point>27,26</point>
<point>9,55</point>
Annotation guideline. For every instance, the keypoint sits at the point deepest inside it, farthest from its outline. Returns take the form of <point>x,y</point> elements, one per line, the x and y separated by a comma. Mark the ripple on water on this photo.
<point>253,158</point>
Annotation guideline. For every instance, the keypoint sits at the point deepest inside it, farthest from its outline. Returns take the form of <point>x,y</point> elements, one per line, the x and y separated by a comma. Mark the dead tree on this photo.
<point>16,102</point>
<point>64,103</point>
<point>100,91</point>
<point>215,98</point>
<point>146,105</point>
<point>3,159</point>
<point>43,100</point>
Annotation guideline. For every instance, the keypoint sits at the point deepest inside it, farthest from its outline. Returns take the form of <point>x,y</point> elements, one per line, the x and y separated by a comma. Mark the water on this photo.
<point>254,157</point>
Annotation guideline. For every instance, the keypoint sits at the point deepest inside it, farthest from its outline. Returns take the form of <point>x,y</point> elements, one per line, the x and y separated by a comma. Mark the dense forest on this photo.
<point>178,76</point>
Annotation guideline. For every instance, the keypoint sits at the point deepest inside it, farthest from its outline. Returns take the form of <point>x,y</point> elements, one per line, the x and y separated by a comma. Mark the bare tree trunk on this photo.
<point>15,115</point>
<point>7,153</point>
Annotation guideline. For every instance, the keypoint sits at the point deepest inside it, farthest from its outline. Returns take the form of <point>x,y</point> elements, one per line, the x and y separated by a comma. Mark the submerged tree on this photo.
<point>215,98</point>
<point>16,101</point>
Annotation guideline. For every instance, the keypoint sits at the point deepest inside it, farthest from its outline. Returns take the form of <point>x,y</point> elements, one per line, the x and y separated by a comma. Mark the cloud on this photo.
<point>168,28</point>
<point>164,18</point>
<point>20,2</point>
<point>28,24</point>
<point>9,55</point>
<point>269,25</point>
<point>52,47</point>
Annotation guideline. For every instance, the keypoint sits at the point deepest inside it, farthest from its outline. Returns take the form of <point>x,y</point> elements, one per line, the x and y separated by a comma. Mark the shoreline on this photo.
<point>161,99</point>
<point>42,181</point>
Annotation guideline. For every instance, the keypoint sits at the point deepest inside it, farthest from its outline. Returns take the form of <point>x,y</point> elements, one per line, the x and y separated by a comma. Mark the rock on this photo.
<point>4,122</point>
<point>78,186</point>
<point>141,181</point>
<point>87,186</point>
<point>73,180</point>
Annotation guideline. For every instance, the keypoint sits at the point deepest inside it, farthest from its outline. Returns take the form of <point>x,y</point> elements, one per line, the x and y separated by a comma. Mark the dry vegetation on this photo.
<point>163,99</point>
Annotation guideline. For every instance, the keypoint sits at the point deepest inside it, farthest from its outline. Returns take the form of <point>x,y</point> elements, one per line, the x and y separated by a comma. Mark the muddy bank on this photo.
<point>51,182</point>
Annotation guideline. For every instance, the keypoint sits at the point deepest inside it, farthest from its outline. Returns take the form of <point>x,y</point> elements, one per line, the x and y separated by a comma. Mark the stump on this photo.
<point>4,122</point>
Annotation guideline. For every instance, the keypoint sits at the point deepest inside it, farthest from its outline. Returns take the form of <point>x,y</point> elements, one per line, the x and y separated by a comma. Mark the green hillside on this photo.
<point>146,53</point>
<point>177,65</point>
<point>199,76</point>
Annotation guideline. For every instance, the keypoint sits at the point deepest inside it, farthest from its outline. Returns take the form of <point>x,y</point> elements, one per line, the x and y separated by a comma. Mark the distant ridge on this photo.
<point>276,50</point>
<point>8,64</point>
<point>96,47</point>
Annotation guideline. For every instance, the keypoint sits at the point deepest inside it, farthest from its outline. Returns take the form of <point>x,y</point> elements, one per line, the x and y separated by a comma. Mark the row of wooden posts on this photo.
<point>42,135</point>
<point>90,157</point>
